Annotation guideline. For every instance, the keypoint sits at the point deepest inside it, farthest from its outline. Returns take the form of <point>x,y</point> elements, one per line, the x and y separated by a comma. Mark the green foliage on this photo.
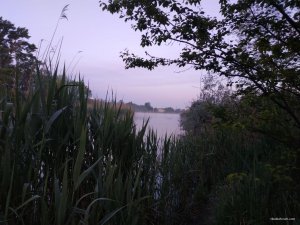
<point>74,164</point>
<point>210,109</point>
<point>253,156</point>
<point>63,162</point>
<point>16,55</point>
<point>68,160</point>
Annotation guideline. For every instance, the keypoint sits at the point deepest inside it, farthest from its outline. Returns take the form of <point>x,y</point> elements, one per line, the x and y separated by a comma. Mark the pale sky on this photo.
<point>101,37</point>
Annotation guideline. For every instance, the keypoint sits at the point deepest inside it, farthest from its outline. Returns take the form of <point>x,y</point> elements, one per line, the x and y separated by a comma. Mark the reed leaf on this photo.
<point>84,174</point>
<point>80,156</point>
<point>53,118</point>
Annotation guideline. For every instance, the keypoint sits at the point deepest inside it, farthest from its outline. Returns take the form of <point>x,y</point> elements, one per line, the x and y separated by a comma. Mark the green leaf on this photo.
<point>27,202</point>
<point>63,197</point>
<point>53,118</point>
<point>87,211</point>
<point>80,156</point>
<point>84,174</point>
<point>107,217</point>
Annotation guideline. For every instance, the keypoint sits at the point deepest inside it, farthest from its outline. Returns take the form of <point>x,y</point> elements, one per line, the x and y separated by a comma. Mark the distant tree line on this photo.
<point>148,108</point>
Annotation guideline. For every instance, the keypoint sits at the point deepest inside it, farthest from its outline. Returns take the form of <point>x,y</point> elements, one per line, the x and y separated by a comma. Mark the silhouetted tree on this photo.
<point>256,43</point>
<point>16,54</point>
<point>148,106</point>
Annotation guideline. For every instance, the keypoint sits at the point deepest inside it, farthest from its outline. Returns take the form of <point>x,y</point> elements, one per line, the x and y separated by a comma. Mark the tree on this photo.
<point>16,54</point>
<point>148,106</point>
<point>256,44</point>
<point>214,104</point>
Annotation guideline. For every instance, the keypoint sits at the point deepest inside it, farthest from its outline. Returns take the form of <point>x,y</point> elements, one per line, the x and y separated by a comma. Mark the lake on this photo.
<point>161,122</point>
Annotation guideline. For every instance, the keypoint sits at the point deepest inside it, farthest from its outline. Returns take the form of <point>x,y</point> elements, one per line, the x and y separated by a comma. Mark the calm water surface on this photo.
<point>161,122</point>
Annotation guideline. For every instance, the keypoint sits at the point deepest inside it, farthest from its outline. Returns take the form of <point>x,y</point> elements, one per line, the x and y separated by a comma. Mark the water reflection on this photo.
<point>161,122</point>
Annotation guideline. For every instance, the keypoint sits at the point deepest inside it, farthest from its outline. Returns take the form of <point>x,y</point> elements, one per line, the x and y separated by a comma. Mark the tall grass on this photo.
<point>64,162</point>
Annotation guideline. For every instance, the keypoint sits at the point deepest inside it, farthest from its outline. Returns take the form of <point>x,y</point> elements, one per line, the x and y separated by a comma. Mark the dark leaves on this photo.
<point>256,41</point>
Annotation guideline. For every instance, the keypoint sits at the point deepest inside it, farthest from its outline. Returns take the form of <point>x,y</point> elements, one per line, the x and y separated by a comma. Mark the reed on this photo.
<point>68,160</point>
<point>62,163</point>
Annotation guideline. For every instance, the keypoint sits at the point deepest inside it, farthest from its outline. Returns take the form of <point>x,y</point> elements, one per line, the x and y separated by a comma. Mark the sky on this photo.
<point>92,42</point>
